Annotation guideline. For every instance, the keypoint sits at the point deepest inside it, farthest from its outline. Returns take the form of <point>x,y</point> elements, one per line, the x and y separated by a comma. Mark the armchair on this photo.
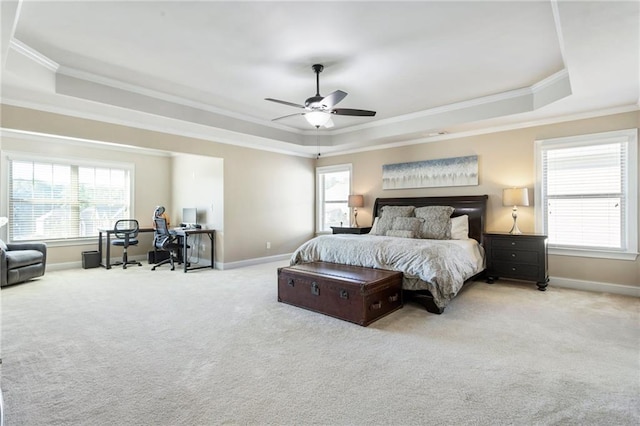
<point>21,262</point>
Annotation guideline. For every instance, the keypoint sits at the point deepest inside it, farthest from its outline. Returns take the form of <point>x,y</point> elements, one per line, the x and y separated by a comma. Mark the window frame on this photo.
<point>320,172</point>
<point>630,192</point>
<point>8,156</point>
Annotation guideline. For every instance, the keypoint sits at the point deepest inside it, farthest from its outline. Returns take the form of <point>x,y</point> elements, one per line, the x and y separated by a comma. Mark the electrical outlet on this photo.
<point>203,247</point>
<point>268,245</point>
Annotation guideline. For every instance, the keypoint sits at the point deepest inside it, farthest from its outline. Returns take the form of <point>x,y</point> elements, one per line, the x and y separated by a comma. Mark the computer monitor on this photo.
<point>190,216</point>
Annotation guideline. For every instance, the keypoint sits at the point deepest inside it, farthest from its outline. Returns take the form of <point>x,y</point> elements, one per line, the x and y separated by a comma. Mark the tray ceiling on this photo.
<point>425,67</point>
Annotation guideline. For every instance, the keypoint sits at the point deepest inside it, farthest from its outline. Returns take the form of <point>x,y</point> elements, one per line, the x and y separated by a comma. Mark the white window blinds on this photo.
<point>333,185</point>
<point>585,192</point>
<point>57,201</point>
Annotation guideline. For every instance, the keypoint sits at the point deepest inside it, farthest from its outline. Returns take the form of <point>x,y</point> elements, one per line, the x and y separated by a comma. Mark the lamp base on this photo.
<point>514,229</point>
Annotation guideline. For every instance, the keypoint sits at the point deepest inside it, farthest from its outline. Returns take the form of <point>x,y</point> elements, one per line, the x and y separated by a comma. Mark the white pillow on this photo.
<point>374,227</point>
<point>460,227</point>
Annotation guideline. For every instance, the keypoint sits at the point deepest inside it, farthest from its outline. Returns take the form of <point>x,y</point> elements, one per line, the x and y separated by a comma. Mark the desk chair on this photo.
<point>166,241</point>
<point>126,234</point>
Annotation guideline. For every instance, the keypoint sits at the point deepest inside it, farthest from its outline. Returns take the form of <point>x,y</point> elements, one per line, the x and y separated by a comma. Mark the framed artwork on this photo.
<point>457,171</point>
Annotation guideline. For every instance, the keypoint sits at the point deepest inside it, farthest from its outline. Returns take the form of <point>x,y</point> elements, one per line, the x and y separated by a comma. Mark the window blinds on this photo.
<point>584,195</point>
<point>53,201</point>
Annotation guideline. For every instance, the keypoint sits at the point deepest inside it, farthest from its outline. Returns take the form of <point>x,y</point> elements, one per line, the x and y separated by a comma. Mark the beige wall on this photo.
<point>268,197</point>
<point>505,159</point>
<point>198,181</point>
<point>146,167</point>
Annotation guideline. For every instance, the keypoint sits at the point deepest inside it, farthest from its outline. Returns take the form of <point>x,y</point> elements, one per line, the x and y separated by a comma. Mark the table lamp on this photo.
<point>355,201</point>
<point>515,197</point>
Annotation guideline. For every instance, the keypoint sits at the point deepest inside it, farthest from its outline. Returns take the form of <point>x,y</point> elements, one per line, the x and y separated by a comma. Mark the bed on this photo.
<point>434,270</point>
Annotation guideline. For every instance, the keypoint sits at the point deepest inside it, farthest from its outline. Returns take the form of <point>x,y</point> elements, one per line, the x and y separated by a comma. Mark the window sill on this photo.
<point>600,254</point>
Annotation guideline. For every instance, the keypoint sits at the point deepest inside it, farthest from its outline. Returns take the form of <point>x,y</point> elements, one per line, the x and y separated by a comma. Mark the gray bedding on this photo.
<point>440,266</point>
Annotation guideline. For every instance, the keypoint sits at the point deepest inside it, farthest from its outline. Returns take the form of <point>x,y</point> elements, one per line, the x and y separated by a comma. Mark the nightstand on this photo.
<point>522,257</point>
<point>349,230</point>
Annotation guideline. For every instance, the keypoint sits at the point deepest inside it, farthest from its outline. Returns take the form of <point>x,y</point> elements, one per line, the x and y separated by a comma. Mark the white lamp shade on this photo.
<point>515,197</point>
<point>317,118</point>
<point>356,201</point>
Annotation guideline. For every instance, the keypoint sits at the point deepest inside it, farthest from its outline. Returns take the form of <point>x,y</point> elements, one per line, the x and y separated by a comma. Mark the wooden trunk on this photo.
<point>351,293</point>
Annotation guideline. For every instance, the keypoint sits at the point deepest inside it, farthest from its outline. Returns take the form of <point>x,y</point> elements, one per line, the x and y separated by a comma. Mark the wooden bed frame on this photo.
<point>475,206</point>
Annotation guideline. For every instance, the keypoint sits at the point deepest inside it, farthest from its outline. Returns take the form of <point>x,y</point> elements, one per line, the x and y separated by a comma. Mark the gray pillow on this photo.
<point>397,211</point>
<point>412,224</point>
<point>385,222</point>
<point>400,233</point>
<point>437,222</point>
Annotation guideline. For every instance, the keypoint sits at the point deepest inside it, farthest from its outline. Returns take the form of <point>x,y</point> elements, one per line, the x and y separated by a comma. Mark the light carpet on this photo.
<point>136,347</point>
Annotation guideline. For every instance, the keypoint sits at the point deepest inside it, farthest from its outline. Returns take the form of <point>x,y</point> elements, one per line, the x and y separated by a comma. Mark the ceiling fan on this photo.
<point>318,109</point>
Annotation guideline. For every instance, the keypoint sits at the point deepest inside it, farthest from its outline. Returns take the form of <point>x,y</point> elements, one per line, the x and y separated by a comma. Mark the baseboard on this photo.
<point>251,262</point>
<point>143,259</point>
<point>78,264</point>
<point>625,290</point>
<point>599,287</point>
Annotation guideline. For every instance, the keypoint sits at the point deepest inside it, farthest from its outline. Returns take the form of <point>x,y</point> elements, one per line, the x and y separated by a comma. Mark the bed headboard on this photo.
<point>475,206</point>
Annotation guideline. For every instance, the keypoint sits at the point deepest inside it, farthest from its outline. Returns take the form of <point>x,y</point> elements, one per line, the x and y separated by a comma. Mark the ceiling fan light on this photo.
<point>317,118</point>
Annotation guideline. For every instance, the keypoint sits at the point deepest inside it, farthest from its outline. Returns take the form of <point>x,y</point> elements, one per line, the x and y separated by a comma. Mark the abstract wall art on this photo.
<point>457,171</point>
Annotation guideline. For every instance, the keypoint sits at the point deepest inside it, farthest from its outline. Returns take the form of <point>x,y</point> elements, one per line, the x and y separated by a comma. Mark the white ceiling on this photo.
<point>203,68</point>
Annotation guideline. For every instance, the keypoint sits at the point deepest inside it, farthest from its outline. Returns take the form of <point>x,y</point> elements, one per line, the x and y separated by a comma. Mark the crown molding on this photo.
<point>69,140</point>
<point>535,90</point>
<point>34,55</point>
<point>139,90</point>
<point>114,93</point>
<point>491,129</point>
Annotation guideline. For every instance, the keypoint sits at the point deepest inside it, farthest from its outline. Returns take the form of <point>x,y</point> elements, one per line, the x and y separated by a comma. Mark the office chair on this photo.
<point>126,233</point>
<point>166,241</point>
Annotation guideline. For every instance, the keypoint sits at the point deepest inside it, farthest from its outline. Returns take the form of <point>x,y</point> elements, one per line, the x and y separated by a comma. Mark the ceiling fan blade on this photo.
<point>332,99</point>
<point>356,112</point>
<point>289,115</point>
<point>284,102</point>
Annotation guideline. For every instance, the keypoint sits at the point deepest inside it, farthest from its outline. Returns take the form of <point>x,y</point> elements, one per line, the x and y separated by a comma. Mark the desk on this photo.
<point>185,233</point>
<point>108,232</point>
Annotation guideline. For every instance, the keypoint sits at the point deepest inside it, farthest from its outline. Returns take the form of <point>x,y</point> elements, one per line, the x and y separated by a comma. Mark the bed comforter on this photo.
<point>440,266</point>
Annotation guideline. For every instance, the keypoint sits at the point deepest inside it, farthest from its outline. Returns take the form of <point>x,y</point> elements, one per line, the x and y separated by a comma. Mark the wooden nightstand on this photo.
<point>349,230</point>
<point>522,257</point>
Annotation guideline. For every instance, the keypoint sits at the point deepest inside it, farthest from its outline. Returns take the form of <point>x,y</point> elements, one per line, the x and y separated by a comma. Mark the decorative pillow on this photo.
<point>460,227</point>
<point>413,224</point>
<point>400,233</point>
<point>437,222</point>
<point>397,211</point>
<point>386,219</point>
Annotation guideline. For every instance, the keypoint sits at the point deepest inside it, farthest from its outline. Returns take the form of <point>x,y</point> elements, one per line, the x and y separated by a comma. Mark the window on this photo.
<point>333,186</point>
<point>62,201</point>
<point>587,187</point>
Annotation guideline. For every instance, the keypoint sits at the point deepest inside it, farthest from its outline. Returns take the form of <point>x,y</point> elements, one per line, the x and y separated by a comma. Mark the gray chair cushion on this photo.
<point>20,258</point>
